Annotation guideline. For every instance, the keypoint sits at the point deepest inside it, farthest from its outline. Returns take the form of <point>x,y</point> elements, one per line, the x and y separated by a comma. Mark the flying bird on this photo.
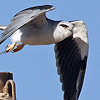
<point>32,27</point>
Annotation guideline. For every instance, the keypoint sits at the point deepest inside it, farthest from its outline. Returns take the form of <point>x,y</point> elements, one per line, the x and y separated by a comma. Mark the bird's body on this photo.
<point>30,26</point>
<point>34,34</point>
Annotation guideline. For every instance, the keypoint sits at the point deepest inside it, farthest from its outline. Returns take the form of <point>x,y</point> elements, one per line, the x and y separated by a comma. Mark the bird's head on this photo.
<point>62,31</point>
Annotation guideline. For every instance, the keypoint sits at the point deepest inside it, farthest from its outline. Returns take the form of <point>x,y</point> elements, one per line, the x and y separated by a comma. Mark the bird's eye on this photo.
<point>63,25</point>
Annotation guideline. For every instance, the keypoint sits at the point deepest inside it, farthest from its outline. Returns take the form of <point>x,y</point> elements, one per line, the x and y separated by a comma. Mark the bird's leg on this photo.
<point>10,47</point>
<point>18,47</point>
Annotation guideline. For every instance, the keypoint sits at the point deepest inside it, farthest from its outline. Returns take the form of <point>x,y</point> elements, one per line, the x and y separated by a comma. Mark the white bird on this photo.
<point>30,26</point>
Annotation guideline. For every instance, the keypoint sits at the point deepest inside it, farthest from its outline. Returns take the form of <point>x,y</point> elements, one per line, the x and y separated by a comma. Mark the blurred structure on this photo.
<point>7,86</point>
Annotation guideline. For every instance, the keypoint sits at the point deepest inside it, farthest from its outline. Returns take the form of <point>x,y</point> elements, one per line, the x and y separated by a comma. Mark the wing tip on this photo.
<point>42,7</point>
<point>48,7</point>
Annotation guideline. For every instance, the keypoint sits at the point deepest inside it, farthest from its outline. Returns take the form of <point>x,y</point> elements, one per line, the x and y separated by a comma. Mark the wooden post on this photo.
<point>4,77</point>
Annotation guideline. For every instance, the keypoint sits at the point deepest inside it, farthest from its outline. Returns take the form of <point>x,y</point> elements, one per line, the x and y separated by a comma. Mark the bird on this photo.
<point>31,27</point>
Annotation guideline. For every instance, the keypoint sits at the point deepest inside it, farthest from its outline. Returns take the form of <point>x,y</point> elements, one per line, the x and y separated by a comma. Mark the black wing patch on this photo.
<point>71,67</point>
<point>22,18</point>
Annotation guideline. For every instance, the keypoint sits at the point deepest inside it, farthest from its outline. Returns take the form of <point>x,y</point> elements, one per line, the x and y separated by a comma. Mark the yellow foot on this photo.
<point>10,47</point>
<point>18,47</point>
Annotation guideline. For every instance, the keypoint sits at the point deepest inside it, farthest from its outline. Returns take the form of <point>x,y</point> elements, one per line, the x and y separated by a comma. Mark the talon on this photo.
<point>10,47</point>
<point>18,47</point>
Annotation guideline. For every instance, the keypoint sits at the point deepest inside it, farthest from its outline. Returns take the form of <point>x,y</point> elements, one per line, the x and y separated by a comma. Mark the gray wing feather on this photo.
<point>22,18</point>
<point>70,66</point>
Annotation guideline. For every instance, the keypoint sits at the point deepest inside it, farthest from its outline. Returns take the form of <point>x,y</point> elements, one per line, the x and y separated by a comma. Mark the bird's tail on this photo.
<point>3,27</point>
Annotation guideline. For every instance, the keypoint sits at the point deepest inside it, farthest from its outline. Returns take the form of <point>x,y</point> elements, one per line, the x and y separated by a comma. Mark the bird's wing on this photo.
<point>71,59</point>
<point>24,17</point>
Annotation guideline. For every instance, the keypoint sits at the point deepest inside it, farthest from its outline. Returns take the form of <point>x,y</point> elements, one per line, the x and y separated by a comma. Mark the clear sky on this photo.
<point>34,68</point>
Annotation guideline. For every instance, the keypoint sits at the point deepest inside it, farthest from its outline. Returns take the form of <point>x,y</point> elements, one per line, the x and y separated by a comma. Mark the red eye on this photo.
<point>63,25</point>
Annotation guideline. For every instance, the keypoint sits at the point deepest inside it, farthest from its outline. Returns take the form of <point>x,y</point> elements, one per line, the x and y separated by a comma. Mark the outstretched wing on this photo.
<point>71,59</point>
<point>24,17</point>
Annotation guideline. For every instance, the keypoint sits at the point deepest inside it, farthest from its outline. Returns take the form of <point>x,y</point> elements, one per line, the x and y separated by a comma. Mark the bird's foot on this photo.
<point>18,47</point>
<point>10,47</point>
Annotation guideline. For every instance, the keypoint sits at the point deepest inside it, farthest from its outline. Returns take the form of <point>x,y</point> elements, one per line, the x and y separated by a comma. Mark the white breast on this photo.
<point>16,37</point>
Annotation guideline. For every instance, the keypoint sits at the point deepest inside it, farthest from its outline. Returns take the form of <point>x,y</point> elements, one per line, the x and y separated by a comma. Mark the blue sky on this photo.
<point>34,68</point>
